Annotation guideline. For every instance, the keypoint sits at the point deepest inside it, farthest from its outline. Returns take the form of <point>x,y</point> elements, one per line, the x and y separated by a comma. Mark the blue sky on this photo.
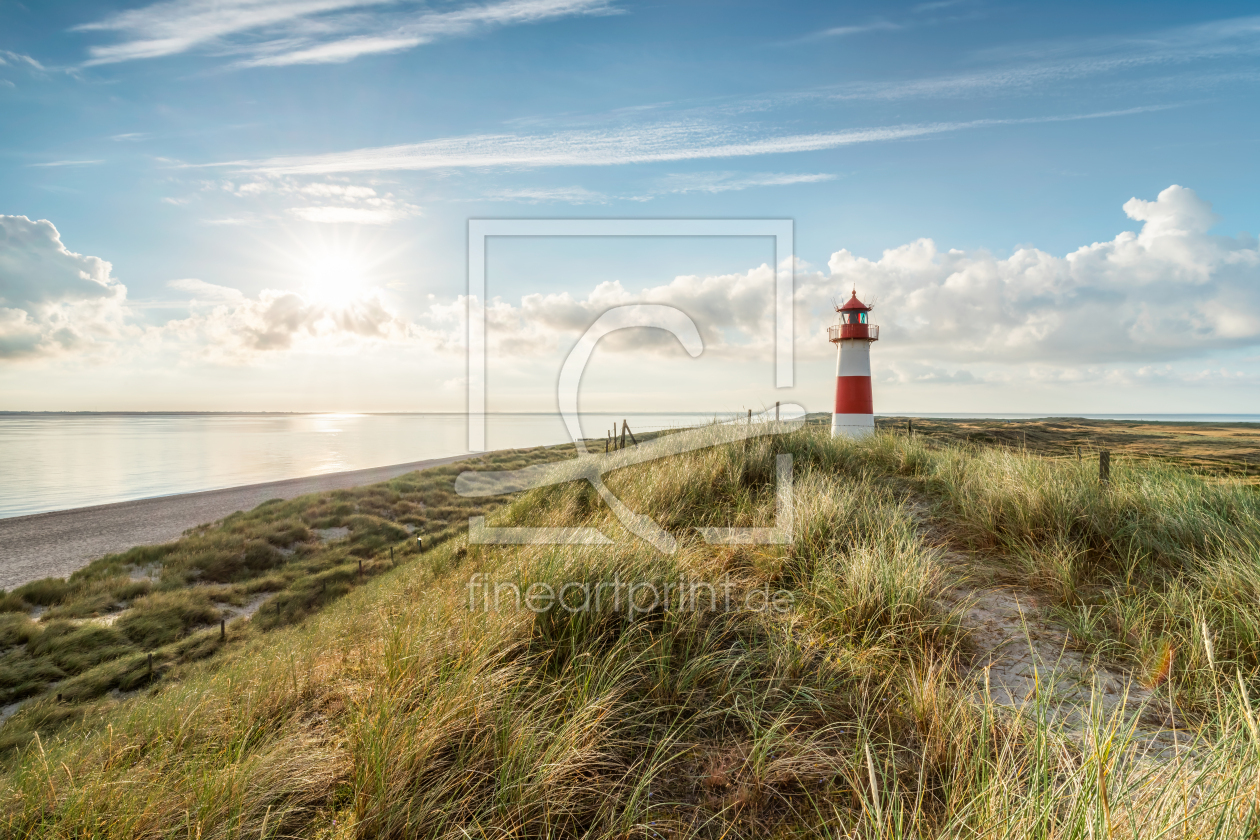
<point>281,189</point>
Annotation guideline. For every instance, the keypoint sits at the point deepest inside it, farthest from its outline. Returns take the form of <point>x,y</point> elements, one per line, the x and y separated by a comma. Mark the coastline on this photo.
<point>57,543</point>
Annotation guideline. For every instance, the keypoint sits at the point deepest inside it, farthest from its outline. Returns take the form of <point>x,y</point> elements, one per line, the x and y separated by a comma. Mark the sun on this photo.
<point>335,269</point>
<point>335,277</point>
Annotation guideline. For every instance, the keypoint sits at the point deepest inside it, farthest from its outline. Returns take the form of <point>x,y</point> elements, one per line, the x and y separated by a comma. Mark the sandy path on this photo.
<point>57,543</point>
<point>1026,661</point>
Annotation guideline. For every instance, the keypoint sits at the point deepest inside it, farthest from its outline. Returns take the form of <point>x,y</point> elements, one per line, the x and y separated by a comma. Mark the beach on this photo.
<point>57,543</point>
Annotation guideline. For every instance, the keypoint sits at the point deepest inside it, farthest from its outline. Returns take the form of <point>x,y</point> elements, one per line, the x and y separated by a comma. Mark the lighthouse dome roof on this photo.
<point>854,303</point>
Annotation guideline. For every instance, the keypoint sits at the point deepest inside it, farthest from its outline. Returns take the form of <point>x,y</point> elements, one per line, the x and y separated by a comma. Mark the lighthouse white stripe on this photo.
<point>855,358</point>
<point>852,425</point>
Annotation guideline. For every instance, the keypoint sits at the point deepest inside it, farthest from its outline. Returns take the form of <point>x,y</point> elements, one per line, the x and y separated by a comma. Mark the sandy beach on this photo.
<point>57,543</point>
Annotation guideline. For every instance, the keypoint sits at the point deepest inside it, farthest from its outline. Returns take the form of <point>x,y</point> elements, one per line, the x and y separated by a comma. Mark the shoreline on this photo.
<point>58,543</point>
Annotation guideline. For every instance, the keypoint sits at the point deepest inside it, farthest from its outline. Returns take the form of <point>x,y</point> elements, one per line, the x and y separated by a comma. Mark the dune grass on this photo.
<point>413,706</point>
<point>77,639</point>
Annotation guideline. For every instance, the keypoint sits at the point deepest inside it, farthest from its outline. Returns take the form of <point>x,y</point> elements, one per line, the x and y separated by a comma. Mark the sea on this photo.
<point>61,461</point>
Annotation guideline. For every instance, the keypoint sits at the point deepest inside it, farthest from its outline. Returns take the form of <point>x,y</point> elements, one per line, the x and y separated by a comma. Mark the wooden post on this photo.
<point>633,439</point>
<point>420,543</point>
<point>391,554</point>
<point>360,568</point>
<point>1078,454</point>
<point>623,434</point>
<point>776,411</point>
<point>1104,467</point>
<point>1025,440</point>
<point>150,667</point>
<point>222,628</point>
<point>909,426</point>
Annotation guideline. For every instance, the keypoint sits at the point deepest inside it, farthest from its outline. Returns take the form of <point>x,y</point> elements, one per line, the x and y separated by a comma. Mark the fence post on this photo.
<point>150,667</point>
<point>1104,467</point>
<point>776,411</point>
<point>633,439</point>
<point>909,426</point>
<point>624,426</point>
<point>222,628</point>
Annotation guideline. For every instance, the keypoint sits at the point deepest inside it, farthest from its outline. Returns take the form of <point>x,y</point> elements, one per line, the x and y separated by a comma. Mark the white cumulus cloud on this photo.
<point>53,300</point>
<point>1171,290</point>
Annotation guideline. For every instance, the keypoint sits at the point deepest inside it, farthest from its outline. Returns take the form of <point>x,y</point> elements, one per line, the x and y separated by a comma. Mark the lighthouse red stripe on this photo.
<point>853,395</point>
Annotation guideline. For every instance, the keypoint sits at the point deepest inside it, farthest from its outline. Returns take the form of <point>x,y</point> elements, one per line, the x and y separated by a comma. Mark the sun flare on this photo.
<point>335,278</point>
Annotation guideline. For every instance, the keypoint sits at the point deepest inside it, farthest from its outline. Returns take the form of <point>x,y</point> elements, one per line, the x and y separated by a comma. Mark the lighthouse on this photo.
<point>854,415</point>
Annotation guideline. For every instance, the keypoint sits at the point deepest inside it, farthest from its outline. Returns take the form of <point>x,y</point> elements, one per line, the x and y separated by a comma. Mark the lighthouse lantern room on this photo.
<point>854,415</point>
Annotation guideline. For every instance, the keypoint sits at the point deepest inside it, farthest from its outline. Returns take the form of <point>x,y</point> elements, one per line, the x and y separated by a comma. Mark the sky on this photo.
<point>238,205</point>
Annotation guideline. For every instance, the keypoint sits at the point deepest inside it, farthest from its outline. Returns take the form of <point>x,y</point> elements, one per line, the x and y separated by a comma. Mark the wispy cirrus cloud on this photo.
<point>268,33</point>
<point>648,143</point>
<point>10,57</point>
<point>878,25</point>
<point>1027,68</point>
<point>549,195</point>
<point>54,163</point>
<point>716,182</point>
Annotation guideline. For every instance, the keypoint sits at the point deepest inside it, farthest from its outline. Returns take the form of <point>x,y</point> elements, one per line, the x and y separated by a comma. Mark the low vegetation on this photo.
<point>123,621</point>
<point>823,689</point>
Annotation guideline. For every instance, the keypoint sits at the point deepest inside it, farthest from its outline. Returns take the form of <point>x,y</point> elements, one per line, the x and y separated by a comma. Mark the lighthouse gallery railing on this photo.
<point>841,332</point>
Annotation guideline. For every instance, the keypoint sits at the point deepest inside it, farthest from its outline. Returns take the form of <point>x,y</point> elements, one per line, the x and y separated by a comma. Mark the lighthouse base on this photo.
<point>852,425</point>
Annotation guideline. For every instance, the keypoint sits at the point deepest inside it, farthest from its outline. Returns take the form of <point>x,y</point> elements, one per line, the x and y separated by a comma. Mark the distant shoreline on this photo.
<point>1128,418</point>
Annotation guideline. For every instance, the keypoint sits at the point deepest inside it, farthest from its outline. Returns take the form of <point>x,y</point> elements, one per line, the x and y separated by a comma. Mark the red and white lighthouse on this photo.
<point>854,415</point>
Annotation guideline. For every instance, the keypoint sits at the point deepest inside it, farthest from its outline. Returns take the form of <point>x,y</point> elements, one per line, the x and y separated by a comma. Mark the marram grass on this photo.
<point>398,711</point>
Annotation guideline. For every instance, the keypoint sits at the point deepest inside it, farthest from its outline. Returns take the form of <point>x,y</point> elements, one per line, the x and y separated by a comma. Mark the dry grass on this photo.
<point>398,711</point>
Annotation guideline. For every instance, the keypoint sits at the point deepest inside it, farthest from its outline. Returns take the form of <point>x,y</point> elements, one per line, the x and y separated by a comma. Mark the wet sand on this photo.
<point>57,543</point>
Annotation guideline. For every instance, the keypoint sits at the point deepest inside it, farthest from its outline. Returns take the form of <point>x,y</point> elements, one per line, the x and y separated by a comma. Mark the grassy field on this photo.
<point>839,702</point>
<point>1225,449</point>
<point>122,622</point>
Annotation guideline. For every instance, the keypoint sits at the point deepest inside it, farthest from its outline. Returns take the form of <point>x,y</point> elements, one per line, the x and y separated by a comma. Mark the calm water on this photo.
<point>55,462</point>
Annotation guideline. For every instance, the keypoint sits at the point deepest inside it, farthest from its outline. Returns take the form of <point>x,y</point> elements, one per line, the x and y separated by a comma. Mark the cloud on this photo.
<point>1108,312</point>
<point>176,26</point>
<point>340,203</point>
<point>204,292</point>
<point>334,215</point>
<point>8,57</point>
<point>287,32</point>
<point>842,31</point>
<point>660,142</point>
<point>69,163</point>
<point>52,300</point>
<point>547,195</point>
<point>1169,291</point>
<point>695,182</point>
<point>716,182</point>
<point>733,312</point>
<point>234,329</point>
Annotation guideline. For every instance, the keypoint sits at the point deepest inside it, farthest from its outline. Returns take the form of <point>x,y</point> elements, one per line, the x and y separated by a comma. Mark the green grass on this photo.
<point>98,623</point>
<point>390,708</point>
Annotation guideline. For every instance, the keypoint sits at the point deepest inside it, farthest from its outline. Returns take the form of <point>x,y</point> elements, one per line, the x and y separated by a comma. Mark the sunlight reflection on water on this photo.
<point>55,462</point>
